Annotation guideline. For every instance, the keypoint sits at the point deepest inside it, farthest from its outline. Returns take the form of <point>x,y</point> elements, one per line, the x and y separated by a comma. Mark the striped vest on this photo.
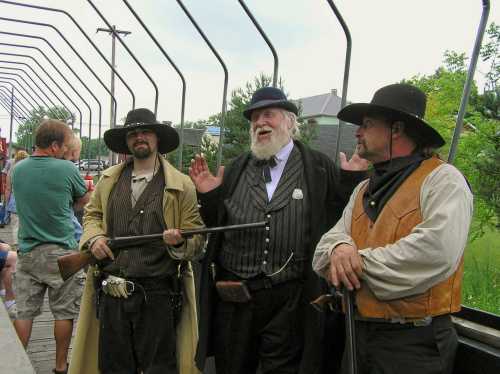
<point>146,217</point>
<point>398,218</point>
<point>279,250</point>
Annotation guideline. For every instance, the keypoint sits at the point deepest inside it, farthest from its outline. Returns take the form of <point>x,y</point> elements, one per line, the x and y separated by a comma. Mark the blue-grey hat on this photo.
<point>269,97</point>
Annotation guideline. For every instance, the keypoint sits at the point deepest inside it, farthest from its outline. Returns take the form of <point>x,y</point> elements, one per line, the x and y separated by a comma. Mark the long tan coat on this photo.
<point>180,211</point>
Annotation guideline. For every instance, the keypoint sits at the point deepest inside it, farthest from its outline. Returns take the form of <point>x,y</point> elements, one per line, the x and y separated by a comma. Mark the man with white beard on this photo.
<point>260,316</point>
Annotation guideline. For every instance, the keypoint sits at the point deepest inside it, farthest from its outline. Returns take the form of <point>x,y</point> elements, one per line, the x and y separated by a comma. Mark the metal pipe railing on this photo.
<point>84,34</point>
<point>165,54</point>
<point>35,92</point>
<point>36,104</point>
<point>33,108</point>
<point>266,39</point>
<point>58,71</point>
<point>19,104</point>
<point>19,111</point>
<point>347,67</point>
<point>226,78</point>
<point>36,84</point>
<point>45,84</point>
<point>82,60</point>
<point>469,80</point>
<point>52,80</point>
<point>130,53</point>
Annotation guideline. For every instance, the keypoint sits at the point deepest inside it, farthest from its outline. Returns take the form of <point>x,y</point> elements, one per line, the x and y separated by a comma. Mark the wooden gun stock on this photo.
<point>73,262</point>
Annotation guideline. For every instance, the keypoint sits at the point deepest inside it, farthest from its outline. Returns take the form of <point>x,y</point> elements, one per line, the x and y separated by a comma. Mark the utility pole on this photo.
<point>113,32</point>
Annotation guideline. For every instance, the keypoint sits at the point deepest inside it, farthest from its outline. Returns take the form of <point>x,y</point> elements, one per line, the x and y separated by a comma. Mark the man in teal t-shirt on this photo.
<point>46,189</point>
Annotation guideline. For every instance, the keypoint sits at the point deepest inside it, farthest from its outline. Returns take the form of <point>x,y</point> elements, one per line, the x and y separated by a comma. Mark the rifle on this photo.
<point>71,263</point>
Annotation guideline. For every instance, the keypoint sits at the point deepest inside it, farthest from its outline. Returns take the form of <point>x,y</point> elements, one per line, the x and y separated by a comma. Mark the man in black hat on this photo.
<point>138,287</point>
<point>401,238</point>
<point>260,315</point>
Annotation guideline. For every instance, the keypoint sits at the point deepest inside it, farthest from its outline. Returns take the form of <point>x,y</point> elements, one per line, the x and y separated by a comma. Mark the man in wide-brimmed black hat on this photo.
<point>261,315</point>
<point>138,287</point>
<point>400,241</point>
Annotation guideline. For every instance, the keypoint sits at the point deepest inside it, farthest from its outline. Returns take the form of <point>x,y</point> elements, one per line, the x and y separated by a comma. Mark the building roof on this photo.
<point>213,130</point>
<point>320,105</point>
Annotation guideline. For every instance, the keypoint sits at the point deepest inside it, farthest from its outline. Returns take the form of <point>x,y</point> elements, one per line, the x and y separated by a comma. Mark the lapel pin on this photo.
<point>297,194</point>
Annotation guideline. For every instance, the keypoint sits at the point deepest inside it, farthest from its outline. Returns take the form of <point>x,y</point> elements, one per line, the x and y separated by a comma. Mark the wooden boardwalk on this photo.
<point>42,347</point>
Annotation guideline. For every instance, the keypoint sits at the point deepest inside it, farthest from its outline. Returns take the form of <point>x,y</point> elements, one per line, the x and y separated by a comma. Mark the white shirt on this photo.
<point>281,158</point>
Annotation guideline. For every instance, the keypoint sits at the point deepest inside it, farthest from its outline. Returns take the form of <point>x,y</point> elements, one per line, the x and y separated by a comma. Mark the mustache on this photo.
<point>258,130</point>
<point>140,142</point>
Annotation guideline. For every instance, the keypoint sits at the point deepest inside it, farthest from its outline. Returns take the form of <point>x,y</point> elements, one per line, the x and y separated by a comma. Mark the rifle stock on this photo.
<point>71,263</point>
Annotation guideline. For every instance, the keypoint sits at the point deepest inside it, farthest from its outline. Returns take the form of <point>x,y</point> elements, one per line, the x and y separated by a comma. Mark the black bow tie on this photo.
<point>266,166</point>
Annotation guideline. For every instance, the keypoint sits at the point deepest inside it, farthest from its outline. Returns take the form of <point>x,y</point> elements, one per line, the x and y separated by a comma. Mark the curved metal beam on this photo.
<point>129,52</point>
<point>266,39</point>
<point>36,84</point>
<point>83,33</point>
<point>183,102</point>
<point>469,80</point>
<point>35,106</point>
<point>226,78</point>
<point>346,73</point>
<point>50,77</point>
<point>6,94</point>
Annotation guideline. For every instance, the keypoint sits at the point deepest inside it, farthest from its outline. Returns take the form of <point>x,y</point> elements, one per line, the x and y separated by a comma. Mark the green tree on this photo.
<point>94,149</point>
<point>26,130</point>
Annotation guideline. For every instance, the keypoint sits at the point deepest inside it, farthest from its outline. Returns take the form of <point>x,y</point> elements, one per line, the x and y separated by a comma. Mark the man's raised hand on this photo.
<point>203,179</point>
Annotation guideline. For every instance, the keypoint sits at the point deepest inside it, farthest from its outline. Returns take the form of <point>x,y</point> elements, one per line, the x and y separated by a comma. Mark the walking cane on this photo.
<point>350,331</point>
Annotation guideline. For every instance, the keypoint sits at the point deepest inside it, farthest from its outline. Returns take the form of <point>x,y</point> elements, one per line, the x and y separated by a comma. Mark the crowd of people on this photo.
<point>389,225</point>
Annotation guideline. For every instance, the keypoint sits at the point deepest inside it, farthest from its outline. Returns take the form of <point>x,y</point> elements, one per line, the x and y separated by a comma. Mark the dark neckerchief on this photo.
<point>266,166</point>
<point>386,178</point>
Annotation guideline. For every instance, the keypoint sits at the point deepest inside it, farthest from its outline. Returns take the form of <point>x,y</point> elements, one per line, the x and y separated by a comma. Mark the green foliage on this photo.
<point>93,149</point>
<point>481,284</point>
<point>26,130</point>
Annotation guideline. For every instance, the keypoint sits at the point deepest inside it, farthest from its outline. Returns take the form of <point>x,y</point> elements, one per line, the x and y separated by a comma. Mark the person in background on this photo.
<point>46,187</point>
<point>11,201</point>
<point>73,154</point>
<point>8,259</point>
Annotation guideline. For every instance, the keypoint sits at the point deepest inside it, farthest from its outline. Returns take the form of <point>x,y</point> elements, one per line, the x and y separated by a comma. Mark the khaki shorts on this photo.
<point>36,272</point>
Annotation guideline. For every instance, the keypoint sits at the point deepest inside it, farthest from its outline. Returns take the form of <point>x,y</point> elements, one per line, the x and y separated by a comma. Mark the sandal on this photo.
<point>61,372</point>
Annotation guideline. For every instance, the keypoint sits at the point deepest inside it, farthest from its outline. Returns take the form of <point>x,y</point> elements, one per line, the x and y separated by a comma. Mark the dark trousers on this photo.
<point>137,334</point>
<point>266,332</point>
<point>393,348</point>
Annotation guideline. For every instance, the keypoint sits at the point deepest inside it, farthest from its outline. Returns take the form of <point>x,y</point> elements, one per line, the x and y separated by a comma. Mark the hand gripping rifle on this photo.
<point>71,263</point>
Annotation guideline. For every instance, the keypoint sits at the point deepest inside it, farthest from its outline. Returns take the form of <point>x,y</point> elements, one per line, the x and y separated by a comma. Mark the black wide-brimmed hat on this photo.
<point>267,97</point>
<point>116,138</point>
<point>401,102</point>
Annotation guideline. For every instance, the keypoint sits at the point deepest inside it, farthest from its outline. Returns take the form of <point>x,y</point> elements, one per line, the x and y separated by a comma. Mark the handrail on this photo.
<point>84,34</point>
<point>162,50</point>
<point>346,73</point>
<point>469,80</point>
<point>129,52</point>
<point>226,78</point>
<point>266,39</point>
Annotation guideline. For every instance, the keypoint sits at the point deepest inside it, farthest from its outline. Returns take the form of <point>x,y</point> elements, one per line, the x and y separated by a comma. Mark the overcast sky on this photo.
<point>392,40</point>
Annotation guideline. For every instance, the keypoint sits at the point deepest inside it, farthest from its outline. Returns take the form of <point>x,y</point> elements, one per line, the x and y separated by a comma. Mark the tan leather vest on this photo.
<point>398,217</point>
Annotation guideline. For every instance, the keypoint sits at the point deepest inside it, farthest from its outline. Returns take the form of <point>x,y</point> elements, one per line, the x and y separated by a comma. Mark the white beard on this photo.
<point>263,150</point>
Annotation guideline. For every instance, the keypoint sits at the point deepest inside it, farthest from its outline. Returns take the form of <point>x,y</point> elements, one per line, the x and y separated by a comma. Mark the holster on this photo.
<point>177,292</point>
<point>98,278</point>
<point>233,291</point>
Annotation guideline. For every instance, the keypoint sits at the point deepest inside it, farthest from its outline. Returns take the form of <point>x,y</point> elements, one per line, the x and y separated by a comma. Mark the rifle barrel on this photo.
<point>191,232</point>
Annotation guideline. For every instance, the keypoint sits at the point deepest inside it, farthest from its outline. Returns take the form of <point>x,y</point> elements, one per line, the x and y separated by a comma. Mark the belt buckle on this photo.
<point>426,321</point>
<point>130,284</point>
